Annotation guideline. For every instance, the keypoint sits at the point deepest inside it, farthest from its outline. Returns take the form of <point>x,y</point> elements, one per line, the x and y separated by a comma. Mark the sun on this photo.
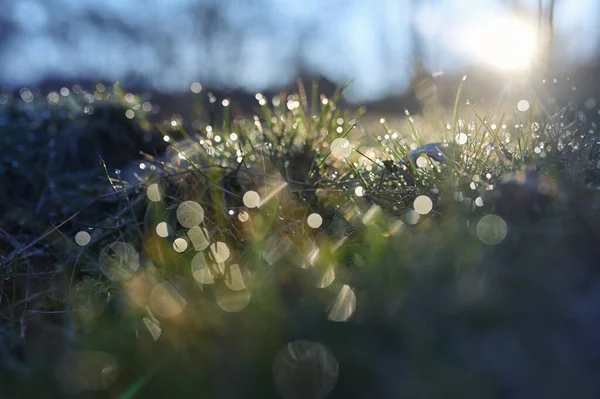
<point>505,43</point>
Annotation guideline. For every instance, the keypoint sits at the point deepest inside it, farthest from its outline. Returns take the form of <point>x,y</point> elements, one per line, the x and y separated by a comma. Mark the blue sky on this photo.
<point>259,43</point>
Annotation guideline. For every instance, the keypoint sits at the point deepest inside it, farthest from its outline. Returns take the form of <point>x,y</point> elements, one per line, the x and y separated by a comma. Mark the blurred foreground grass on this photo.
<point>296,253</point>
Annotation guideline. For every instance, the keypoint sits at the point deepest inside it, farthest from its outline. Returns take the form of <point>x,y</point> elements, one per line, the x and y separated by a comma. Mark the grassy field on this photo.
<point>298,252</point>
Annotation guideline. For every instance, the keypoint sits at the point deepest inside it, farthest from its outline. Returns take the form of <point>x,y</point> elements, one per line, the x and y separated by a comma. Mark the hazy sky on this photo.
<point>253,44</point>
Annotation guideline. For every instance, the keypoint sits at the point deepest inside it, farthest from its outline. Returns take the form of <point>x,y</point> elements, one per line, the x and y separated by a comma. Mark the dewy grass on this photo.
<point>267,259</point>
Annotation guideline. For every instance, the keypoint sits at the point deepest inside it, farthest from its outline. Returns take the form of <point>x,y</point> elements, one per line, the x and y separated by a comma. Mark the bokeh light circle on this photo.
<point>119,261</point>
<point>86,370</point>
<point>314,220</point>
<point>305,369</point>
<point>523,105</point>
<point>199,238</point>
<point>344,305</point>
<point>163,230</point>
<point>165,301</point>
<point>423,205</point>
<point>411,217</point>
<point>219,251</point>
<point>251,199</point>
<point>243,216</point>
<point>190,214</point>
<point>341,148</point>
<point>234,280</point>
<point>87,301</point>
<point>491,229</point>
<point>200,270</point>
<point>422,162</point>
<point>180,244</point>
<point>461,138</point>
<point>153,193</point>
<point>232,301</point>
<point>82,238</point>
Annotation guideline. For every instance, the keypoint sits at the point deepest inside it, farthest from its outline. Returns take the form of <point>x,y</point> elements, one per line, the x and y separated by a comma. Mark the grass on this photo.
<point>298,253</point>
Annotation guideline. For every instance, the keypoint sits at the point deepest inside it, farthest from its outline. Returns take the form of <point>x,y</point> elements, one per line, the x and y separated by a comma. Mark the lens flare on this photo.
<point>506,43</point>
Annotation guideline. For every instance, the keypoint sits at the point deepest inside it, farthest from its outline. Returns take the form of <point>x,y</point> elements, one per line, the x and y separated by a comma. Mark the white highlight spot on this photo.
<point>523,105</point>
<point>196,87</point>
<point>243,216</point>
<point>163,229</point>
<point>82,238</point>
<point>461,138</point>
<point>251,199</point>
<point>180,245</point>
<point>314,220</point>
<point>153,193</point>
<point>423,205</point>
<point>340,148</point>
